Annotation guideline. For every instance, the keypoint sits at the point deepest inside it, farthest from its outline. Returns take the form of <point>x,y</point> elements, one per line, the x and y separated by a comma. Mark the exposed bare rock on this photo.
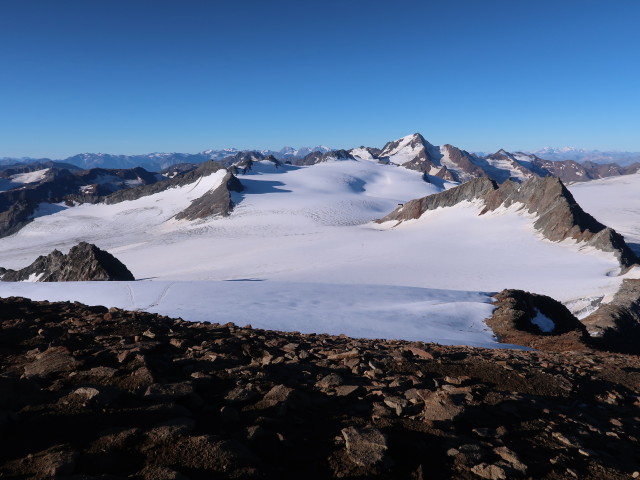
<point>558,215</point>
<point>616,325</point>
<point>16,216</point>
<point>314,158</point>
<point>95,398</point>
<point>84,262</point>
<point>215,202</point>
<point>365,447</point>
<point>537,321</point>
<point>243,162</point>
<point>424,156</point>
<point>464,161</point>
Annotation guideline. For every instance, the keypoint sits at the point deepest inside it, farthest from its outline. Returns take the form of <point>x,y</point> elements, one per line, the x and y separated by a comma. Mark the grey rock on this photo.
<point>215,202</point>
<point>329,381</point>
<point>84,262</point>
<point>366,447</point>
<point>616,325</point>
<point>52,360</point>
<point>489,472</point>
<point>558,215</point>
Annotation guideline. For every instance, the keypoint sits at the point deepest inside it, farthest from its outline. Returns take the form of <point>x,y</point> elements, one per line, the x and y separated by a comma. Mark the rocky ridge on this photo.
<point>558,215</point>
<point>314,158</point>
<point>115,394</point>
<point>19,202</point>
<point>215,202</point>
<point>84,262</point>
<point>618,322</point>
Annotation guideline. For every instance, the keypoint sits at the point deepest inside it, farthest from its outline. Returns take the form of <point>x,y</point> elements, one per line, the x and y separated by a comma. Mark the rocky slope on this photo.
<point>87,392</point>
<point>618,322</point>
<point>558,216</point>
<point>214,202</point>
<point>24,189</point>
<point>314,158</point>
<point>84,262</point>
<point>536,321</point>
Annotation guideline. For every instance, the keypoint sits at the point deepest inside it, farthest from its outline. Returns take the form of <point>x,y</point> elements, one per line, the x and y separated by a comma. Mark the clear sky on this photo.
<point>139,76</point>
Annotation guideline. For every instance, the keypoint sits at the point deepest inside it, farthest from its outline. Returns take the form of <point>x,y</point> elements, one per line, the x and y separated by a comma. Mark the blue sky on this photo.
<point>138,76</point>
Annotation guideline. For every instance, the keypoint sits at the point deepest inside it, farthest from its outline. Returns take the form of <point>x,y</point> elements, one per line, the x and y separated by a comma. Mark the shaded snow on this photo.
<point>544,323</point>
<point>368,311</point>
<point>614,201</point>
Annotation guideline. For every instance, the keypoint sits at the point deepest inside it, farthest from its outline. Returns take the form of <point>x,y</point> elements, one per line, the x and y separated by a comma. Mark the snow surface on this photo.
<point>15,181</point>
<point>29,177</point>
<point>363,154</point>
<point>367,311</point>
<point>510,167</point>
<point>404,152</point>
<point>307,233</point>
<point>614,201</point>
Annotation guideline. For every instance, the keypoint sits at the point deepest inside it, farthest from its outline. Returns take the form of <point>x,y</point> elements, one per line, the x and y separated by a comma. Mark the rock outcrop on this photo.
<point>536,321</point>
<point>56,184</point>
<point>314,158</point>
<point>91,392</point>
<point>180,180</point>
<point>558,215</point>
<point>243,162</point>
<point>214,202</point>
<point>616,325</point>
<point>84,262</point>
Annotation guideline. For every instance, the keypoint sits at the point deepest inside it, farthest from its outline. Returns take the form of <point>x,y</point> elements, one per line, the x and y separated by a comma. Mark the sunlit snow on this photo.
<point>29,177</point>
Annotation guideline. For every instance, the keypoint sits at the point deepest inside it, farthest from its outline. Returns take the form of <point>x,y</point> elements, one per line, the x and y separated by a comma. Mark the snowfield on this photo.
<point>366,311</point>
<point>22,178</point>
<point>614,201</point>
<point>300,252</point>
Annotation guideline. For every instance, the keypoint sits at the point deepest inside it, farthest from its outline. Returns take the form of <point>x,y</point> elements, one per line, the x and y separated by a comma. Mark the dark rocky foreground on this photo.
<point>87,392</point>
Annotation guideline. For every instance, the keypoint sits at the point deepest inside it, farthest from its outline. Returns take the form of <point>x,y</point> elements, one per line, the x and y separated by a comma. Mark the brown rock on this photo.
<point>365,447</point>
<point>52,360</point>
<point>490,472</point>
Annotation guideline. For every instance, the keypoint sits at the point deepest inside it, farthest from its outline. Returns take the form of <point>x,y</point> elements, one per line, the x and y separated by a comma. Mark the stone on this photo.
<point>84,262</point>
<point>170,390</point>
<point>438,406</point>
<point>240,394</point>
<point>365,447</point>
<point>329,381</point>
<point>490,472</point>
<point>511,458</point>
<point>347,390</point>
<point>52,360</point>
<point>396,403</point>
<point>419,352</point>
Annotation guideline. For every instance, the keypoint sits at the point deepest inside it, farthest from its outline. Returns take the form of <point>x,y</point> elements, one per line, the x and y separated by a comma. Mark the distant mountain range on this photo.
<point>157,162</point>
<point>91,178</point>
<point>581,155</point>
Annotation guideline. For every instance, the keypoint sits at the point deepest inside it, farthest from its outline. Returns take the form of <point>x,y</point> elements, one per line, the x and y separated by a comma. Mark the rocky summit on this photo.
<point>97,393</point>
<point>84,262</point>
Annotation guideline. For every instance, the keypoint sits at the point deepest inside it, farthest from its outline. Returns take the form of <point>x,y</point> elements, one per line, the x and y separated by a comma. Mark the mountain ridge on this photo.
<point>447,161</point>
<point>559,217</point>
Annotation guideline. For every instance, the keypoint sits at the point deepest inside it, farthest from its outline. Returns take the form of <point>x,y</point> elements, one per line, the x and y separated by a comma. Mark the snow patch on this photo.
<point>544,323</point>
<point>29,177</point>
<point>34,277</point>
